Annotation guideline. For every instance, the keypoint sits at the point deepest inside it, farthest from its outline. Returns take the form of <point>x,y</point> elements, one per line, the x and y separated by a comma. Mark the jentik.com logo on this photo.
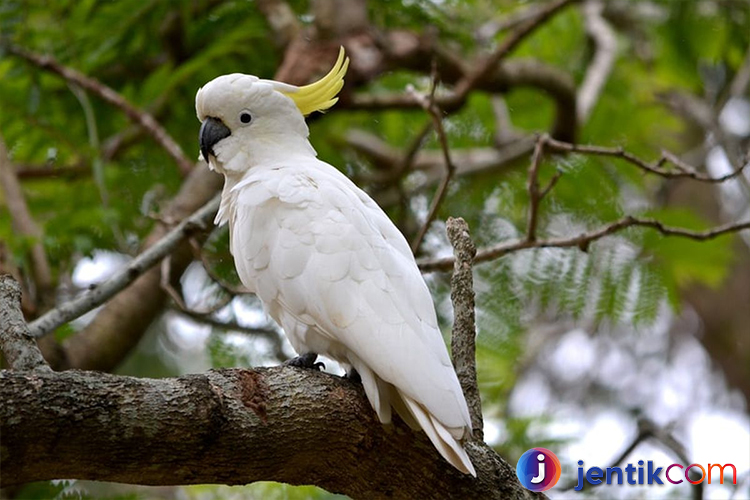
<point>538,469</point>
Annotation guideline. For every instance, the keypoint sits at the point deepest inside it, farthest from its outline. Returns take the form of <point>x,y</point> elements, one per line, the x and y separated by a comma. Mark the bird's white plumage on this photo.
<point>337,275</point>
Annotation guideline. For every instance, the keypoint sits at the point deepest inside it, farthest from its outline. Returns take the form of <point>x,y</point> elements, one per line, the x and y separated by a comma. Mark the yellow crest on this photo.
<point>321,95</point>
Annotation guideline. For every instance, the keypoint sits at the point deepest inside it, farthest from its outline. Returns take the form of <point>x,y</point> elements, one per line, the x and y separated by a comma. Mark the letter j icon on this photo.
<point>539,477</point>
<point>538,469</point>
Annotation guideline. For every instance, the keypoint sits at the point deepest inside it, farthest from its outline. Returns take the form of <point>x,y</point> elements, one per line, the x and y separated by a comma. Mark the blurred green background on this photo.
<point>639,327</point>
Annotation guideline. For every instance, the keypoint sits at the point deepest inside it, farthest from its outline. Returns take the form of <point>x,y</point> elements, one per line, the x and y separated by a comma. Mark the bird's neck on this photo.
<point>266,150</point>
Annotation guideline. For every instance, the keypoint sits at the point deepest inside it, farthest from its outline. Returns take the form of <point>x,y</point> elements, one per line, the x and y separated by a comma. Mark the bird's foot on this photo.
<point>353,376</point>
<point>306,361</point>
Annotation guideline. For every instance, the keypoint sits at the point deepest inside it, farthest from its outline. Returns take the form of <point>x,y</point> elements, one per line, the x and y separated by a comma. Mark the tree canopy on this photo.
<point>596,150</point>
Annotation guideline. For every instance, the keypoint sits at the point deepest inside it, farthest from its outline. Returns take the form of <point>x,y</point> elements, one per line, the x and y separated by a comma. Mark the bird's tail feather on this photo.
<point>382,395</point>
<point>442,437</point>
<point>375,388</point>
<point>403,411</point>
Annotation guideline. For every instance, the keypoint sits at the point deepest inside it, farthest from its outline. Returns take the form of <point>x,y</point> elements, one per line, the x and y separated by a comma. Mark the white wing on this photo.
<point>331,267</point>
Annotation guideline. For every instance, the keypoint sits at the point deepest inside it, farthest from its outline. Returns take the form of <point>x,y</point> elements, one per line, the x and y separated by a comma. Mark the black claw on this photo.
<point>306,361</point>
<point>353,375</point>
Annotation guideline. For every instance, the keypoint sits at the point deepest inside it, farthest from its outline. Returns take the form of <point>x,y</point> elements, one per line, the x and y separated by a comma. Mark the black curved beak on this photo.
<point>212,131</point>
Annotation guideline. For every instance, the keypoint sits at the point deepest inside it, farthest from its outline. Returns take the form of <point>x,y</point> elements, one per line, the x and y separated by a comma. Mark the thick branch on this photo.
<point>583,240</point>
<point>229,426</point>
<point>150,257</point>
<point>19,349</point>
<point>142,118</point>
<point>463,338</point>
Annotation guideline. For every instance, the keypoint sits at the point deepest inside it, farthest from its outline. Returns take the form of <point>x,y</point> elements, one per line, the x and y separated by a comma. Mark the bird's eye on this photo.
<point>245,117</point>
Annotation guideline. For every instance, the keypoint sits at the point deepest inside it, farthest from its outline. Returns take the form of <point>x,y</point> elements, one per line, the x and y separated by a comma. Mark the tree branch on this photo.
<point>406,50</point>
<point>467,161</point>
<point>598,71</point>
<point>428,104</point>
<point>121,322</point>
<point>74,171</point>
<point>507,46</point>
<point>269,333</point>
<point>535,196</point>
<point>142,118</point>
<point>583,240</point>
<point>19,349</point>
<point>142,263</point>
<point>228,426</point>
<point>25,225</point>
<point>508,75</point>
<point>683,170</point>
<point>463,338</point>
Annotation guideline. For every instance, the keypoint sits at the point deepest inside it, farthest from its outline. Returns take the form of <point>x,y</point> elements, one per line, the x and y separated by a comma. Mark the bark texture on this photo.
<point>228,426</point>
<point>463,338</point>
<point>18,348</point>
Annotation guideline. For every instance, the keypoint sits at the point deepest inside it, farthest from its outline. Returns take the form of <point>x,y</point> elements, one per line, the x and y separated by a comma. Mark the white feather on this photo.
<point>343,283</point>
<point>328,264</point>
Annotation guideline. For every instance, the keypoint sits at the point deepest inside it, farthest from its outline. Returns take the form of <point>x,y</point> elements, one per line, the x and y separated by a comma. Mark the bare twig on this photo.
<point>19,349</point>
<point>535,196</point>
<point>583,240</point>
<point>506,47</point>
<point>142,118</point>
<point>487,74</point>
<point>463,338</point>
<point>414,147</point>
<point>269,334</point>
<point>397,168</point>
<point>432,162</point>
<point>166,285</point>
<point>428,104</point>
<point>24,224</point>
<point>176,296</point>
<point>229,288</point>
<point>600,67</point>
<point>150,257</point>
<point>508,21</point>
<point>683,170</point>
<point>512,73</point>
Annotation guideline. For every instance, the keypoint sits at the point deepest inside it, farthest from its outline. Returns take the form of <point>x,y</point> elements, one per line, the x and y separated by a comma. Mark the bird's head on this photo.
<point>241,114</point>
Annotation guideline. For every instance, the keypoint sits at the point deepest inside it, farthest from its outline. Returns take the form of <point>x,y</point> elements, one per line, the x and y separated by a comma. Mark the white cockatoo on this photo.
<point>327,263</point>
